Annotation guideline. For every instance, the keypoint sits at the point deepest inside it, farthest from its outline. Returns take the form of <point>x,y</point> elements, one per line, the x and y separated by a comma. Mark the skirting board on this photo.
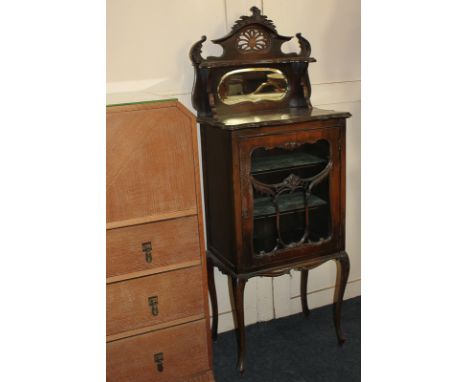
<point>315,299</point>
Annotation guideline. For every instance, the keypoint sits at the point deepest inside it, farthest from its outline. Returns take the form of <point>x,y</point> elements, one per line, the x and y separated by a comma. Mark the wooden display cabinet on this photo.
<point>274,166</point>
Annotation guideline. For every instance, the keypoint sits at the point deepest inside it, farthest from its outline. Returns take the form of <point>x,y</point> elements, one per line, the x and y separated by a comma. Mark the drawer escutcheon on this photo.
<point>147,249</point>
<point>153,303</point>
<point>159,361</point>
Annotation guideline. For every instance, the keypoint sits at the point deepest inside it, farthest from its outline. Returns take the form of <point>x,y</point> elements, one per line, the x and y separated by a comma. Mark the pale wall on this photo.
<point>147,57</point>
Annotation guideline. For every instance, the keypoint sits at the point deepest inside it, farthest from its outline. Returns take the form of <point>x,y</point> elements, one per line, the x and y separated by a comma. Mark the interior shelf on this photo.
<point>278,162</point>
<point>264,207</point>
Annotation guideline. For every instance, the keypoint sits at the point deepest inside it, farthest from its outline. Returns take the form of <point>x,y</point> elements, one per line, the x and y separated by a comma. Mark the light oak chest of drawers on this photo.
<point>157,311</point>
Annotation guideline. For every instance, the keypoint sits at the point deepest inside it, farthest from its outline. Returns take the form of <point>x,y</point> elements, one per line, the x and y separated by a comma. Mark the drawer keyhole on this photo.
<point>147,249</point>
<point>159,361</point>
<point>153,303</point>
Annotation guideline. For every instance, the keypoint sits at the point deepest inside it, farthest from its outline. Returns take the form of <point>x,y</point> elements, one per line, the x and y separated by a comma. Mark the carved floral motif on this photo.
<point>292,182</point>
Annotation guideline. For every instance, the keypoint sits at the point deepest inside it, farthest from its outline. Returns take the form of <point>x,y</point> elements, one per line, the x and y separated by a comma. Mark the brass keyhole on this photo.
<point>147,249</point>
<point>153,303</point>
<point>159,361</point>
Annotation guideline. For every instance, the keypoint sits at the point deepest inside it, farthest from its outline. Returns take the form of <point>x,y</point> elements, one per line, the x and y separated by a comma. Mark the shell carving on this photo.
<point>252,40</point>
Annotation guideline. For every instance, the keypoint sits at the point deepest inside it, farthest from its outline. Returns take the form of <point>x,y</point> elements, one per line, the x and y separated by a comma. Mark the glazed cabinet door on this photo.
<point>291,195</point>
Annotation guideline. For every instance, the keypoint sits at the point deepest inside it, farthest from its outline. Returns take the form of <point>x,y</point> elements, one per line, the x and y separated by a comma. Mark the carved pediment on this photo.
<point>261,76</point>
<point>251,38</point>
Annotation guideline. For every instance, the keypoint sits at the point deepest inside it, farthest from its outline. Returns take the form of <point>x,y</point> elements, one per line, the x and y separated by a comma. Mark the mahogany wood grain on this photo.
<point>184,351</point>
<point>179,294</point>
<point>149,163</point>
<point>173,241</point>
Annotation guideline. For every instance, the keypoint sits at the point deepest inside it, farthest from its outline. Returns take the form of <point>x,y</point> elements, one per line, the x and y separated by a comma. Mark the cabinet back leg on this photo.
<point>213,298</point>
<point>304,277</point>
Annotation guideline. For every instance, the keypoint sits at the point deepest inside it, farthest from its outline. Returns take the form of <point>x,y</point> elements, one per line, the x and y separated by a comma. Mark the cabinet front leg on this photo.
<point>213,298</point>
<point>342,263</point>
<point>304,277</point>
<point>238,286</point>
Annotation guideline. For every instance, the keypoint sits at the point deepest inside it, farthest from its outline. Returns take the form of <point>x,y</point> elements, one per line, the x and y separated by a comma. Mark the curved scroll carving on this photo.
<point>195,51</point>
<point>306,49</point>
<point>290,184</point>
<point>200,98</point>
<point>263,188</point>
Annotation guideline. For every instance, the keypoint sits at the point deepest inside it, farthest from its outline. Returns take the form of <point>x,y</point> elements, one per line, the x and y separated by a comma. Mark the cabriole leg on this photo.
<point>238,286</point>
<point>342,274</point>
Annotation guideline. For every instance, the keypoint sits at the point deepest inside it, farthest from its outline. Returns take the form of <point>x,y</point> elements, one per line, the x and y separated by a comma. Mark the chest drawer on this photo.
<point>155,299</point>
<point>179,351</point>
<point>152,245</point>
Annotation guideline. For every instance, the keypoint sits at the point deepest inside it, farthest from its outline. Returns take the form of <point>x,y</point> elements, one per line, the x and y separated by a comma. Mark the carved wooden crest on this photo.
<point>253,42</point>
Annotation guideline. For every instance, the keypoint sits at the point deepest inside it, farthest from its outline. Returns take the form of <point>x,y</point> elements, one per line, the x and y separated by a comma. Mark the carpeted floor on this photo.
<point>295,348</point>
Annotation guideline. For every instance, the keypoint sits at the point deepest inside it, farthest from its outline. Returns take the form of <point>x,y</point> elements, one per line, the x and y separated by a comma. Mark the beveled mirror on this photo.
<point>252,85</point>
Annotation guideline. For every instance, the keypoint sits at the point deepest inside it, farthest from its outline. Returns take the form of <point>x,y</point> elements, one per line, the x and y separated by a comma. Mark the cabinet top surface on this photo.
<point>271,118</point>
<point>155,100</point>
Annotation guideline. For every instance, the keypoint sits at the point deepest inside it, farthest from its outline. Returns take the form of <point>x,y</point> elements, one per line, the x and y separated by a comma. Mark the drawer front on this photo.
<point>182,351</point>
<point>152,245</point>
<point>155,299</point>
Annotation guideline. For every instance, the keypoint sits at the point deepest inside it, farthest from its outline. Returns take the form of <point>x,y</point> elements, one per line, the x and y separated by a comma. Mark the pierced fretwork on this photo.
<point>291,184</point>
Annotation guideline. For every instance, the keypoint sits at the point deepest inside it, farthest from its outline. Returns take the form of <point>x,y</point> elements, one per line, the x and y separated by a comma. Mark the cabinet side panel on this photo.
<point>219,198</point>
<point>343,184</point>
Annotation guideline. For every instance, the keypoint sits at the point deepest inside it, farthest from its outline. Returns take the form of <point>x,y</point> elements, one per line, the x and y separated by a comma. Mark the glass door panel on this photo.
<point>291,198</point>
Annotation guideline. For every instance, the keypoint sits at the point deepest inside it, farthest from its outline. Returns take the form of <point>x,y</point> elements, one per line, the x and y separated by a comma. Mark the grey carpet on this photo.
<point>295,348</point>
